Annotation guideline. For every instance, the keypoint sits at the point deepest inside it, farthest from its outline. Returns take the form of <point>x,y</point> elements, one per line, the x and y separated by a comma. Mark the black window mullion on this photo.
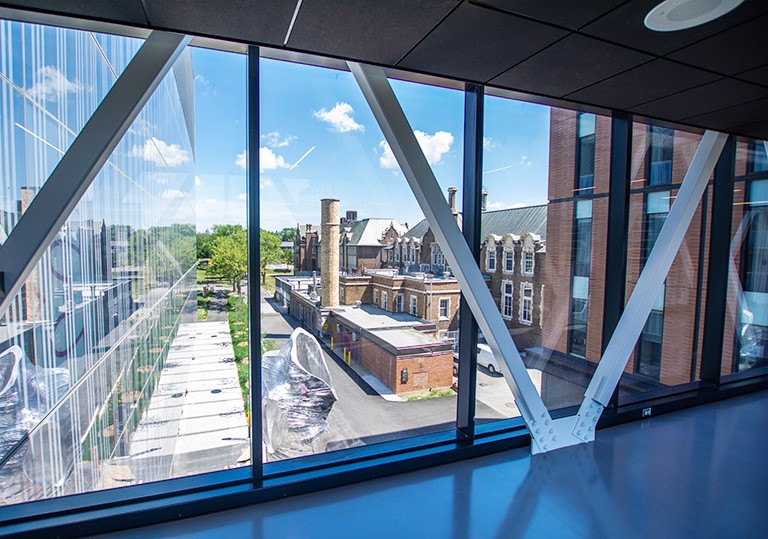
<point>719,259</point>
<point>617,227</point>
<point>254,261</point>
<point>471,220</point>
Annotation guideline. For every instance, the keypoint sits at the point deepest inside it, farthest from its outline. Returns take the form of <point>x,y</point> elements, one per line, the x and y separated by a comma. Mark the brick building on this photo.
<point>362,243</point>
<point>668,350</point>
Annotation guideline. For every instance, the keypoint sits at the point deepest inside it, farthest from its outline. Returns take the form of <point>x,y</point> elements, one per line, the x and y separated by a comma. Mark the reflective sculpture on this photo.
<point>297,395</point>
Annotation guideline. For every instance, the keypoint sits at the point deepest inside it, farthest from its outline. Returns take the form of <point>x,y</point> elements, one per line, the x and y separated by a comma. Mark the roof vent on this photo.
<point>674,15</point>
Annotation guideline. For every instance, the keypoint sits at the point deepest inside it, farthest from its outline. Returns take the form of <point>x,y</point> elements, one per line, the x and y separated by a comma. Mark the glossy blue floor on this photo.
<point>701,472</point>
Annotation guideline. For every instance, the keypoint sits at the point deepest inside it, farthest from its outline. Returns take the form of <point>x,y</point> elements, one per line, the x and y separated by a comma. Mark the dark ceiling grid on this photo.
<point>375,31</point>
<point>759,75</point>
<point>568,14</point>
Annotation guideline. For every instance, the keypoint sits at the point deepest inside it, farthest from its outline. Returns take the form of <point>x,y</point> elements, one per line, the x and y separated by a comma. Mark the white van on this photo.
<point>485,358</point>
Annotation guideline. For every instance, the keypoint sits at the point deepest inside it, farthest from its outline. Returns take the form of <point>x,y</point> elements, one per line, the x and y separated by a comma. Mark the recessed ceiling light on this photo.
<point>673,15</point>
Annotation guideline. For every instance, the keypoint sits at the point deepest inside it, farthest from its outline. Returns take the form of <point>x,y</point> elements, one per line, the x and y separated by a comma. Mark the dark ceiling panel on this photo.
<point>710,97</point>
<point>625,25</point>
<point>261,21</point>
<point>758,130</point>
<point>569,65</point>
<point>371,30</point>
<point>727,119</point>
<point>127,11</point>
<point>477,43</point>
<point>739,49</point>
<point>569,13</point>
<point>642,84</point>
<point>758,75</point>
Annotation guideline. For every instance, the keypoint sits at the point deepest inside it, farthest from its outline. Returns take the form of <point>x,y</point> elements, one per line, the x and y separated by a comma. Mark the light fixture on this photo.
<point>674,15</point>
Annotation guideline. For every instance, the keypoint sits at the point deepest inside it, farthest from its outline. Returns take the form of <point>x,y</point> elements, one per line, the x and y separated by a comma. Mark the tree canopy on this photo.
<point>229,256</point>
<point>270,251</point>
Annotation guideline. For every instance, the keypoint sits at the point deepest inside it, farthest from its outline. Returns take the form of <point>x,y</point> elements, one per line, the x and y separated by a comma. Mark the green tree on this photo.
<point>229,257</point>
<point>287,234</point>
<point>204,245</point>
<point>271,253</point>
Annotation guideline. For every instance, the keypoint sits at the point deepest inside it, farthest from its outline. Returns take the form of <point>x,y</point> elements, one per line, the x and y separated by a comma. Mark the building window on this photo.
<point>757,157</point>
<point>507,291</point>
<point>490,257</point>
<point>389,256</point>
<point>375,296</point>
<point>445,304</point>
<point>526,303</point>
<point>438,259</point>
<point>399,303</point>
<point>414,305</point>
<point>649,344</point>
<point>397,254</point>
<point>659,170</point>
<point>528,261</point>
<point>585,154</point>
<point>509,260</point>
<point>384,302</point>
<point>582,255</point>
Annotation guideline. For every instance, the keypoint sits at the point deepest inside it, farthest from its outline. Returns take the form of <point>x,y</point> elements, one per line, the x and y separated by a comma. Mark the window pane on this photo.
<point>669,348</point>
<point>395,289</point>
<point>547,208</point>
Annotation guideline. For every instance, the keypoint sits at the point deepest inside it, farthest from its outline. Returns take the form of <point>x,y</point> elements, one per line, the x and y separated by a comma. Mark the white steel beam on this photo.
<point>90,150</point>
<point>649,285</point>
<point>398,133</point>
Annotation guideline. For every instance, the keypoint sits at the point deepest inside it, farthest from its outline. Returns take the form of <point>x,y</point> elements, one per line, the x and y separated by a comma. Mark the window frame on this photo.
<point>524,299</point>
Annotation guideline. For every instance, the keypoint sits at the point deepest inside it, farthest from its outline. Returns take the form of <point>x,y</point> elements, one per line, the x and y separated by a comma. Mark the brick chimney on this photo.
<point>452,199</point>
<point>329,252</point>
<point>351,215</point>
<point>484,200</point>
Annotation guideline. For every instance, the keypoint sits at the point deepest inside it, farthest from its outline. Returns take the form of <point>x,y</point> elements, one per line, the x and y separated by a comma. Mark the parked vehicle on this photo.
<point>485,358</point>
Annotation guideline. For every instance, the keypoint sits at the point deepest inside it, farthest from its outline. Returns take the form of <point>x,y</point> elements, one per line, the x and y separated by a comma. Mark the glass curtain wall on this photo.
<point>105,378</point>
<point>746,325</point>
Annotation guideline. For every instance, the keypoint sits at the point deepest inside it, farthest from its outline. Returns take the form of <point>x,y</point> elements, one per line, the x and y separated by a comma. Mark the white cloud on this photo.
<point>198,181</point>
<point>488,143</point>
<point>524,161</point>
<point>160,152</point>
<point>201,80</point>
<point>172,194</point>
<point>242,196</point>
<point>339,118</point>
<point>266,182</point>
<point>273,139</point>
<point>517,205</point>
<point>52,84</point>
<point>434,148</point>
<point>210,201</point>
<point>268,160</point>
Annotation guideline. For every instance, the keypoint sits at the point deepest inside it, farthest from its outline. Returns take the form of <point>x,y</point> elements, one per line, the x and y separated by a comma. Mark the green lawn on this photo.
<point>269,284</point>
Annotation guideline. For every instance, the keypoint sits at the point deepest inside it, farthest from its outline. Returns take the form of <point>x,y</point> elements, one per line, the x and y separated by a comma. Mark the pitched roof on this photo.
<point>368,232</point>
<point>518,221</point>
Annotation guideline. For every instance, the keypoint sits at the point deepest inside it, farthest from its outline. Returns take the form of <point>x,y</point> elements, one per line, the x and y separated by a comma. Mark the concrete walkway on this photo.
<point>196,421</point>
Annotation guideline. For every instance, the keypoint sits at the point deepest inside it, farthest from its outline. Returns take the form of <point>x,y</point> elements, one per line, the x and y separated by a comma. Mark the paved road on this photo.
<point>361,416</point>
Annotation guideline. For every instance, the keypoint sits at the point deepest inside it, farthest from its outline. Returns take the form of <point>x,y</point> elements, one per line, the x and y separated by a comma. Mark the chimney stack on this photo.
<point>484,201</point>
<point>329,252</point>
<point>452,199</point>
<point>351,215</point>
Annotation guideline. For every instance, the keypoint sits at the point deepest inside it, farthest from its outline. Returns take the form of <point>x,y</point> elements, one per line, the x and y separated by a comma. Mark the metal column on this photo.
<point>77,169</point>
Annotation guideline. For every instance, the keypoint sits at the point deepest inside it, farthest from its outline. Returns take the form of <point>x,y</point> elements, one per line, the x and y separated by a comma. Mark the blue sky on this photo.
<point>319,139</point>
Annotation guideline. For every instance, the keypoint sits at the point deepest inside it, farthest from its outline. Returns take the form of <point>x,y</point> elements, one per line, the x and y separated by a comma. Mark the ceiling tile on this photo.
<point>625,25</point>
<point>370,30</point>
<point>569,65</point>
<point>731,117</point>
<point>259,21</point>
<point>126,11</point>
<point>710,97</point>
<point>758,75</point>
<point>736,50</point>
<point>644,83</point>
<point>758,130</point>
<point>476,44</point>
<point>568,13</point>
